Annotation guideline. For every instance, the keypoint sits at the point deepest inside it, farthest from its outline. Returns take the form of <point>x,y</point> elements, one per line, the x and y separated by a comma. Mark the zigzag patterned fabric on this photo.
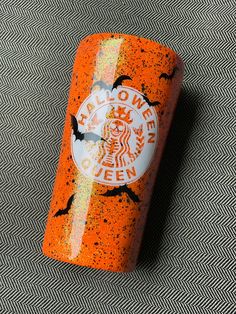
<point>187,260</point>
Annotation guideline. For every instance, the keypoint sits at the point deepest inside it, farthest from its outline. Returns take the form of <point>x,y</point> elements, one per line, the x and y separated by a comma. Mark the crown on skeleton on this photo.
<point>119,113</point>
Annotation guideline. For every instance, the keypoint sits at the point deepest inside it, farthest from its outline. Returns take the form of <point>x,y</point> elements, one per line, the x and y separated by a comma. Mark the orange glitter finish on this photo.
<point>122,98</point>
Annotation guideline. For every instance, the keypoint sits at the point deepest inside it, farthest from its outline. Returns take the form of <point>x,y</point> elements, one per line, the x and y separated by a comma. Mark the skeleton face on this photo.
<point>117,127</point>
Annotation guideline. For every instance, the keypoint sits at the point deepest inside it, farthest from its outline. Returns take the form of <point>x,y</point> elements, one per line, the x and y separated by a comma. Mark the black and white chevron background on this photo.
<point>188,259</point>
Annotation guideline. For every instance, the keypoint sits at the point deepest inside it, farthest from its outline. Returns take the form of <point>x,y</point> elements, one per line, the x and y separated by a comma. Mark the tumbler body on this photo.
<point>123,94</point>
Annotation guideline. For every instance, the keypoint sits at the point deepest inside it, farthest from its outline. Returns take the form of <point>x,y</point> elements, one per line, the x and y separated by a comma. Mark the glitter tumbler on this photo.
<point>123,94</point>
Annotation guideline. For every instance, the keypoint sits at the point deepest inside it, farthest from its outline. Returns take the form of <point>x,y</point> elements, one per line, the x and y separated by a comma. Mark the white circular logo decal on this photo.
<point>114,136</point>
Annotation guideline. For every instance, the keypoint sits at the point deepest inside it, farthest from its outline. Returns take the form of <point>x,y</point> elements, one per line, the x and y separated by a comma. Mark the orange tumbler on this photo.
<point>122,98</point>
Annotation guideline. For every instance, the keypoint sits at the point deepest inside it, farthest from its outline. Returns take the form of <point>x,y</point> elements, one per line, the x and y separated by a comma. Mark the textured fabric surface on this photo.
<point>187,260</point>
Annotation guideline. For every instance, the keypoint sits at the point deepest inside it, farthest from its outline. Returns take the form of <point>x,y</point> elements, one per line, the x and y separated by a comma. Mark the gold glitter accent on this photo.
<point>107,59</point>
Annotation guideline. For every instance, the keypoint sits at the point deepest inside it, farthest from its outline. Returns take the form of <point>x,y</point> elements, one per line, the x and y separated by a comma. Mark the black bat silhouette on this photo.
<point>151,104</point>
<point>122,189</point>
<point>117,82</point>
<point>89,136</point>
<point>68,207</point>
<point>169,76</point>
